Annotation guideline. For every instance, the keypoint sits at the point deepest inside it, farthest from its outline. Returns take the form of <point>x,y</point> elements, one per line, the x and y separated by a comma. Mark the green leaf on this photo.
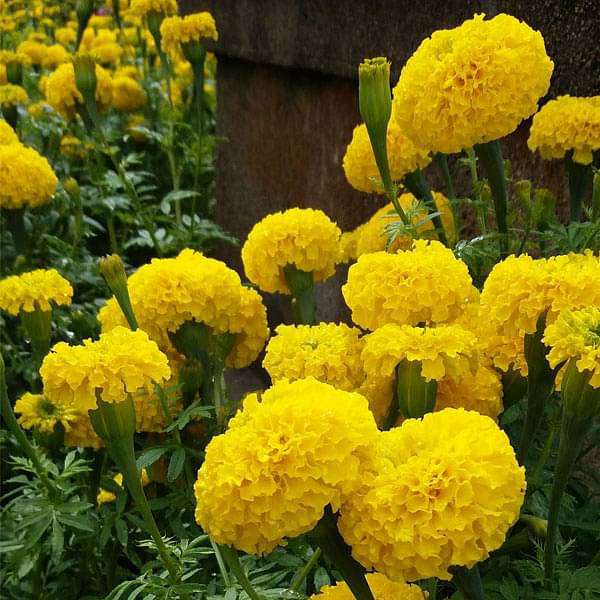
<point>79,522</point>
<point>150,456</point>
<point>57,540</point>
<point>176,464</point>
<point>122,532</point>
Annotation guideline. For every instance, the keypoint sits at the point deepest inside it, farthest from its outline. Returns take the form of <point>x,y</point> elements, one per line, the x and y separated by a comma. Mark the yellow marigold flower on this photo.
<point>149,414</point>
<point>445,491</point>
<point>472,84</point>
<point>34,51</point>
<point>65,35</point>
<point>128,94</point>
<point>107,53</point>
<point>105,496</point>
<point>381,586</point>
<point>120,362</point>
<point>3,77</point>
<point>63,96</point>
<point>576,334</point>
<point>359,161</point>
<point>328,352</point>
<point>303,237</point>
<point>81,434</point>
<point>37,411</point>
<point>55,55</point>
<point>141,8</point>
<point>11,95</point>
<point>7,134</point>
<point>176,31</point>
<point>567,124</point>
<point>424,285</point>
<point>26,177</point>
<point>130,71</point>
<point>284,458</point>
<point>39,109</point>
<point>8,56</point>
<point>71,146</point>
<point>35,290</point>
<point>168,292</point>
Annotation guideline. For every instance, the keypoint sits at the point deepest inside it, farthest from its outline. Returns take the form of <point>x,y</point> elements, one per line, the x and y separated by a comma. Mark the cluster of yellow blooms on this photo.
<point>35,290</point>
<point>177,32</point>
<point>381,587</point>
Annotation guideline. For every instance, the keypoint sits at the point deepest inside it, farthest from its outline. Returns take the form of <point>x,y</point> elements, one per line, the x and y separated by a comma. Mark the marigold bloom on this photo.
<point>35,51</point>
<point>381,586</point>
<point>128,94</point>
<point>62,93</point>
<point>567,124</point>
<point>328,352</point>
<point>141,8</point>
<point>39,412</point>
<point>120,362</point>
<point>11,95</point>
<point>149,413</point>
<point>35,290</point>
<point>445,491</point>
<point>359,163</point>
<point>105,496</point>
<point>7,134</point>
<point>81,433</point>
<point>168,292</point>
<point>26,177</point>
<point>424,285</point>
<point>303,237</point>
<point>472,84</point>
<point>576,334</point>
<point>65,35</point>
<point>301,447</point>
<point>176,31</point>
<point>55,55</point>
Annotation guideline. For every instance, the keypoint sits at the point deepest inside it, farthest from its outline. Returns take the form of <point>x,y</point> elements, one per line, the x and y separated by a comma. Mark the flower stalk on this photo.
<point>231,557</point>
<point>301,284</point>
<point>468,581</point>
<point>580,177</point>
<point>38,325</point>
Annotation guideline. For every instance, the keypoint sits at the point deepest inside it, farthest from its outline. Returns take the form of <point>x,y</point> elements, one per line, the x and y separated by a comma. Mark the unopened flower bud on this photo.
<point>581,401</point>
<point>414,394</point>
<point>85,76</point>
<point>71,187</point>
<point>113,271</point>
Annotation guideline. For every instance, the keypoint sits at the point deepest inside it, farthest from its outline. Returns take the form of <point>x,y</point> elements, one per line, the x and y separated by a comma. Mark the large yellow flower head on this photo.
<point>35,290</point>
<point>141,8</point>
<point>381,587</point>
<point>65,35</point>
<point>7,134</point>
<point>445,492</point>
<point>567,124</point>
<point>286,456</point>
<point>576,334</point>
<point>359,161</point>
<point>424,285</point>
<point>170,291</point>
<point>120,362</point>
<point>303,237</point>
<point>37,411</point>
<point>176,31</point>
<point>55,55</point>
<point>11,95</point>
<point>35,51</point>
<point>472,84</point>
<point>81,433</point>
<point>64,97</point>
<point>328,352</point>
<point>128,94</point>
<point>26,177</point>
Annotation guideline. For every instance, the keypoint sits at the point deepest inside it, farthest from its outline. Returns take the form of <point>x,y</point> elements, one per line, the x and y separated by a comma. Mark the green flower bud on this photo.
<point>581,401</point>
<point>414,394</point>
<point>71,187</point>
<point>113,271</point>
<point>85,76</point>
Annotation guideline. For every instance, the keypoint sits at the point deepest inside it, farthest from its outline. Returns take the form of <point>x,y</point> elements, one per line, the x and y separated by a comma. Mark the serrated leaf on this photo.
<point>176,464</point>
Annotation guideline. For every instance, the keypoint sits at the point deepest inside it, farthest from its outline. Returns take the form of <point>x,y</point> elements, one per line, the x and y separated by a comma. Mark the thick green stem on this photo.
<point>221,564</point>
<point>233,562</point>
<point>490,157</point>
<point>572,433</point>
<point>418,186</point>
<point>480,209</point>
<point>329,539</point>
<point>580,177</point>
<point>16,226</point>
<point>468,581</point>
<point>198,97</point>
<point>304,573</point>
<point>536,476</point>
<point>38,325</point>
<point>442,163</point>
<point>301,284</point>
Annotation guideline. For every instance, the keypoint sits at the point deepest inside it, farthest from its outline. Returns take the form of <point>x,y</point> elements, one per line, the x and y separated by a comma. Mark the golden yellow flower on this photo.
<point>35,290</point>
<point>71,146</point>
<point>424,285</point>
<point>8,56</point>
<point>141,8</point>
<point>176,31</point>
<point>168,292</point>
<point>34,50</point>
<point>381,586</point>
<point>7,134</point>
<point>149,413</point>
<point>105,496</point>
<point>128,94</point>
<point>576,334</point>
<point>55,55</point>
<point>81,434</point>
<point>65,35</point>
<point>107,53</point>
<point>63,96</point>
<point>37,411</point>
<point>285,457</point>
<point>567,124</point>
<point>26,178</point>
<point>120,362</point>
<point>3,76</point>
<point>11,95</point>
<point>359,161</point>
<point>472,84</point>
<point>445,491</point>
<point>328,352</point>
<point>303,237</point>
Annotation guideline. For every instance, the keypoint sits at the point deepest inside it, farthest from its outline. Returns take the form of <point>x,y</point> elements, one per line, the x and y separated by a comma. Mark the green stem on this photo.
<point>308,567</point>
<point>11,422</point>
<point>301,284</point>
<point>579,177</point>
<point>431,588</point>
<point>572,433</point>
<point>16,226</point>
<point>329,539</point>
<point>442,163</point>
<point>38,325</point>
<point>418,186</point>
<point>198,97</point>
<point>112,235</point>
<point>468,581</point>
<point>221,563</point>
<point>480,209</point>
<point>490,157</point>
<point>233,562</point>
<point>596,198</point>
<point>543,458</point>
